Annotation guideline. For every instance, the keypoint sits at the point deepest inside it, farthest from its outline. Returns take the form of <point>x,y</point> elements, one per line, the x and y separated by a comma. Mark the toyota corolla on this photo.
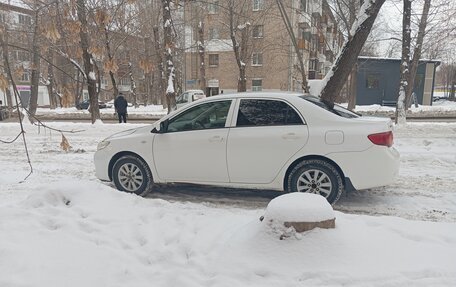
<point>279,141</point>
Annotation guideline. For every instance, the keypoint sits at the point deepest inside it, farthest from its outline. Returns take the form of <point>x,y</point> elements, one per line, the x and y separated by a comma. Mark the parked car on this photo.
<point>84,105</point>
<point>277,141</point>
<point>189,96</point>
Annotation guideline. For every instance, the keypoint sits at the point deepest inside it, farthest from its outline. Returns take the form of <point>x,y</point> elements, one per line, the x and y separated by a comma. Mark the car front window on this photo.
<point>182,98</point>
<point>256,112</point>
<point>204,116</point>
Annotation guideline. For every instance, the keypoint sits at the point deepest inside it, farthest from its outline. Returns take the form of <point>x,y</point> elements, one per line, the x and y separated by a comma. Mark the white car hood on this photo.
<point>129,132</point>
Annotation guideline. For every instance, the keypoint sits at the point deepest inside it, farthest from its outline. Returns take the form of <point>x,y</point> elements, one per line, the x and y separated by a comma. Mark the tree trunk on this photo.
<point>50,79</point>
<point>115,90</point>
<point>405,62</point>
<point>201,52</point>
<point>239,50</point>
<point>132,84</point>
<point>452,80</point>
<point>150,99</point>
<point>5,54</point>
<point>161,68</point>
<point>88,62</point>
<point>417,51</point>
<point>353,88</point>
<point>78,83</point>
<point>290,30</point>
<point>35,81</point>
<point>348,57</point>
<point>169,50</point>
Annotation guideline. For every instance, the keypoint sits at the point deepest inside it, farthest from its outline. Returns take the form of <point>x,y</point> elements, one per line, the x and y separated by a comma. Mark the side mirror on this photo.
<point>163,128</point>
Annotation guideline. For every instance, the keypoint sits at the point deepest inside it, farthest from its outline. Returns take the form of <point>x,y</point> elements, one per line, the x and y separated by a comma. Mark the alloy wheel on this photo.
<point>130,177</point>
<point>314,181</point>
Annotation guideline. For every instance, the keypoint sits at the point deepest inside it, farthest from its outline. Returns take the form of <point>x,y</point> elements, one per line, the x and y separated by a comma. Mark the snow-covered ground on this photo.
<point>62,227</point>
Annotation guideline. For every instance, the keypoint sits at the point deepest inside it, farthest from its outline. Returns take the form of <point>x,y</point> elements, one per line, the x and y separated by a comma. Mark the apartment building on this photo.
<point>19,19</point>
<point>271,64</point>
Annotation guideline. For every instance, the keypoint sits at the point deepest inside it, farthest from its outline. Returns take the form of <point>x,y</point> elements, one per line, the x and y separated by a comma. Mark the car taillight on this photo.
<point>385,138</point>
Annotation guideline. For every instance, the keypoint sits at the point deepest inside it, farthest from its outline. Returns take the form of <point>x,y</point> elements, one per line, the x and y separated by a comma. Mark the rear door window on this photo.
<point>256,112</point>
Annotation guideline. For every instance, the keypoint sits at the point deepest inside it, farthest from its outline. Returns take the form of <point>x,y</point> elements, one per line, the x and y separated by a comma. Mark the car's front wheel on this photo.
<point>131,174</point>
<point>316,176</point>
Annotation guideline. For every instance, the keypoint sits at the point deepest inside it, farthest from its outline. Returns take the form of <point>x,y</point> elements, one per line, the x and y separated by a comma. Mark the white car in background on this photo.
<point>279,141</point>
<point>189,96</point>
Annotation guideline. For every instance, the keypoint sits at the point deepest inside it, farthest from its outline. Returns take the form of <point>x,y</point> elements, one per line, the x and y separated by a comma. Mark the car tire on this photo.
<point>316,176</point>
<point>132,174</point>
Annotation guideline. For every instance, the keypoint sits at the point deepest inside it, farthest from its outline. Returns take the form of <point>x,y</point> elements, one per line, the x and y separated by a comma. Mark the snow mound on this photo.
<point>299,207</point>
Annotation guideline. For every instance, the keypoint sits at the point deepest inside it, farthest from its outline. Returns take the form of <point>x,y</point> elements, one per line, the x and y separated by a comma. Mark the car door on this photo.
<point>193,149</point>
<point>267,134</point>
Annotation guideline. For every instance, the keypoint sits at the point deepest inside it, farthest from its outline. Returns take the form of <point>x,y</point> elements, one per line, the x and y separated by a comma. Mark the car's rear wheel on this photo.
<point>316,176</point>
<point>131,174</point>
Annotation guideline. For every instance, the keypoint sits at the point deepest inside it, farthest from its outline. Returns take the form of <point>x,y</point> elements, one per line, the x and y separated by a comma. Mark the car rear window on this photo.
<point>338,110</point>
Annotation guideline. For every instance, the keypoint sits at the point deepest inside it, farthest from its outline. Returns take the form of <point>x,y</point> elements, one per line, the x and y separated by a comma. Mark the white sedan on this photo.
<point>278,141</point>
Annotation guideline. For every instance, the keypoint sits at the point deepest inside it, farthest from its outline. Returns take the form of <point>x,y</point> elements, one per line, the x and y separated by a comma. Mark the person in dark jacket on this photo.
<point>120,104</point>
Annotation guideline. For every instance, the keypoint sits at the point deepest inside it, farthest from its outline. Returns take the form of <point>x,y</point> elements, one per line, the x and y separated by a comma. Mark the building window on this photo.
<point>124,82</point>
<point>213,60</point>
<point>303,5</point>
<point>258,5</point>
<point>257,59</point>
<point>313,64</point>
<point>21,56</point>
<point>257,31</point>
<point>213,33</point>
<point>314,20</point>
<point>213,7</point>
<point>25,20</point>
<point>25,77</point>
<point>373,81</point>
<point>257,85</point>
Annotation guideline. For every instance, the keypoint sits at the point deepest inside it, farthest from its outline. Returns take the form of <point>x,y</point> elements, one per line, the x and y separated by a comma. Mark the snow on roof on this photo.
<point>16,4</point>
<point>395,59</point>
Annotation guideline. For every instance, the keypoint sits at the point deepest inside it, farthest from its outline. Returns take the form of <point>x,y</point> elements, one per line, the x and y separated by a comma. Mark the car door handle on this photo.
<point>290,136</point>
<point>216,139</point>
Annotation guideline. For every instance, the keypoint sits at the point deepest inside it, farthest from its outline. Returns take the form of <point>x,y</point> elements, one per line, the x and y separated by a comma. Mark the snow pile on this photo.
<point>81,233</point>
<point>299,207</point>
<point>297,212</point>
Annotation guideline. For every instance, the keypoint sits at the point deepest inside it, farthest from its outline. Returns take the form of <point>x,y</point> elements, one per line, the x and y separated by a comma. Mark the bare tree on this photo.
<point>35,64</point>
<point>405,62</point>
<point>342,67</point>
<point>89,61</point>
<point>201,52</point>
<point>290,30</point>
<point>239,46</point>
<point>169,52</point>
<point>6,69</point>
<point>417,52</point>
<point>347,12</point>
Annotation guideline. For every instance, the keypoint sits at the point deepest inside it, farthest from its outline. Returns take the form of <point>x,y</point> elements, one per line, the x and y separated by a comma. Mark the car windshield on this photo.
<point>338,110</point>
